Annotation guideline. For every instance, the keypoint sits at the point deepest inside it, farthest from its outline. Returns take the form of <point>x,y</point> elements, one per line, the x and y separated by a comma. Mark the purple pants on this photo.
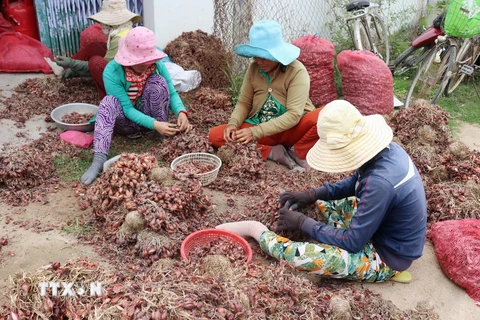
<point>110,117</point>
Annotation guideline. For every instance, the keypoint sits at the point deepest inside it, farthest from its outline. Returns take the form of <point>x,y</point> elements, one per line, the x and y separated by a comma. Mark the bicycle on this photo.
<point>444,67</point>
<point>462,63</point>
<point>368,31</point>
<point>453,56</point>
<point>430,71</point>
<point>419,48</point>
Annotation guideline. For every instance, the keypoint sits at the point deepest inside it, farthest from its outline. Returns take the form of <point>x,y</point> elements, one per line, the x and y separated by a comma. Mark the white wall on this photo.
<point>169,18</point>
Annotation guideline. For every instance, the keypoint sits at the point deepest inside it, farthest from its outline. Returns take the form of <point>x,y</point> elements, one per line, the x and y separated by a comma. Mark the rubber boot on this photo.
<point>95,168</point>
<point>57,70</point>
<point>245,229</point>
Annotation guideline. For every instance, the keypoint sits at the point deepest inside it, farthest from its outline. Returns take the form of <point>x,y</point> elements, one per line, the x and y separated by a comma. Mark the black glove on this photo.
<point>290,220</point>
<point>298,200</point>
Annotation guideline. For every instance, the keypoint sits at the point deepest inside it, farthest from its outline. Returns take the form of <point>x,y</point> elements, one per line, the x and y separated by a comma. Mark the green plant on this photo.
<point>235,80</point>
<point>70,169</point>
<point>76,228</point>
<point>442,5</point>
<point>401,84</point>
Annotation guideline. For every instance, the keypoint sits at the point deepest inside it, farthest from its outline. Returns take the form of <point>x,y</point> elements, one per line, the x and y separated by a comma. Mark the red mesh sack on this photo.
<point>92,34</point>
<point>21,53</point>
<point>457,247</point>
<point>367,82</point>
<point>317,56</point>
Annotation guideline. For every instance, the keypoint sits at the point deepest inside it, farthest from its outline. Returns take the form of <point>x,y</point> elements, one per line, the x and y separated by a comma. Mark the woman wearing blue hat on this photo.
<point>274,108</point>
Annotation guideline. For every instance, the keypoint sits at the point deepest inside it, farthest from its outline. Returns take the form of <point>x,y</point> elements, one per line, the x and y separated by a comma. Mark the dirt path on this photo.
<point>36,237</point>
<point>469,134</point>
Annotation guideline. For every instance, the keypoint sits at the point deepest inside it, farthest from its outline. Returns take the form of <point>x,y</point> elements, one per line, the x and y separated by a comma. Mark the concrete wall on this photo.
<point>169,18</point>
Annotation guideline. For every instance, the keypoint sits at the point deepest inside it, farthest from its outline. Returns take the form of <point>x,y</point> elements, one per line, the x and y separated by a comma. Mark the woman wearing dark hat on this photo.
<point>116,21</point>
<point>140,94</point>
<point>374,222</point>
<point>273,108</point>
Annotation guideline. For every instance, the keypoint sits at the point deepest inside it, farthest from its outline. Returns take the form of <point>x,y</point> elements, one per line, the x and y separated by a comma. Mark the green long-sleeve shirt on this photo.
<point>116,85</point>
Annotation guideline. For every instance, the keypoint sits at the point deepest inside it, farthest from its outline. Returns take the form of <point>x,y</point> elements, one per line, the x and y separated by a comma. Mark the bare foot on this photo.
<point>279,154</point>
<point>300,162</point>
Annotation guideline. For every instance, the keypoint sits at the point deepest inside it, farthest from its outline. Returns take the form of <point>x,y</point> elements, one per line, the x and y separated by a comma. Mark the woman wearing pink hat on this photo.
<point>140,94</point>
<point>273,108</point>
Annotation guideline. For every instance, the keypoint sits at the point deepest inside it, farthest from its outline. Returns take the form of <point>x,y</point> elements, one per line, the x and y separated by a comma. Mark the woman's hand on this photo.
<point>165,128</point>
<point>183,123</point>
<point>244,135</point>
<point>229,133</point>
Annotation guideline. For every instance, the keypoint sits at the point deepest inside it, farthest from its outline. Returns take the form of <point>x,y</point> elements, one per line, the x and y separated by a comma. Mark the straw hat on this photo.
<point>266,41</point>
<point>347,139</point>
<point>139,46</point>
<point>114,13</point>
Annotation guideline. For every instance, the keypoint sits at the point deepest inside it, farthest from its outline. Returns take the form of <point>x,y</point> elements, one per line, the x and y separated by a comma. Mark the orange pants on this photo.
<point>303,136</point>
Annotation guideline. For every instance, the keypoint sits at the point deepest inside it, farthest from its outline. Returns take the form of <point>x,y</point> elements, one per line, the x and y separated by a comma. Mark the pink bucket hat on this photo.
<point>138,47</point>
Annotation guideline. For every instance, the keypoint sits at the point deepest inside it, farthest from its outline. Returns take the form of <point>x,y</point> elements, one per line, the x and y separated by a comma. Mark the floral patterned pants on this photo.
<point>327,260</point>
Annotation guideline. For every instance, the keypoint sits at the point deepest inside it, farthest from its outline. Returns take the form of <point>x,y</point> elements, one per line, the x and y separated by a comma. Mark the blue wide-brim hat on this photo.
<point>266,41</point>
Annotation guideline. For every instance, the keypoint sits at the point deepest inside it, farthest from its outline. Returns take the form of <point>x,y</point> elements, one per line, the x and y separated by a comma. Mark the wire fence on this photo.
<point>233,18</point>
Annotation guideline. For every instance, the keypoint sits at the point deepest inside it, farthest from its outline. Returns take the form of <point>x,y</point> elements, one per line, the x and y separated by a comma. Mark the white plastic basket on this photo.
<point>204,158</point>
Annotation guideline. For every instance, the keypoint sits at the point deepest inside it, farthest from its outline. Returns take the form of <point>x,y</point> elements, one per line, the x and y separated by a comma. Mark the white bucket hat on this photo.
<point>347,139</point>
<point>114,13</point>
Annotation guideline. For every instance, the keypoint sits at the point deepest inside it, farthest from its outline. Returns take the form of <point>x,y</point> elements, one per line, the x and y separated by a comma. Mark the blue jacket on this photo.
<point>391,209</point>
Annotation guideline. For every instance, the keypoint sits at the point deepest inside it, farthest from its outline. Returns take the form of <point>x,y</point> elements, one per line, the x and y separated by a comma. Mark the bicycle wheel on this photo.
<point>467,55</point>
<point>429,73</point>
<point>409,59</point>
<point>379,36</point>
<point>366,39</point>
<point>444,71</point>
<point>360,36</point>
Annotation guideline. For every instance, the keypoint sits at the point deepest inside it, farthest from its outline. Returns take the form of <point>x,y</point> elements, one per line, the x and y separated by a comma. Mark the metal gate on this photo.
<point>61,21</point>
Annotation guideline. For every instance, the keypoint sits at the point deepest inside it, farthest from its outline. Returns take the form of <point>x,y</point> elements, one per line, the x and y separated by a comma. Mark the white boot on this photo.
<point>244,228</point>
<point>58,70</point>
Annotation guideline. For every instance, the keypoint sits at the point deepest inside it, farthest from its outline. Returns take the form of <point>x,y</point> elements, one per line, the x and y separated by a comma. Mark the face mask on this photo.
<point>106,29</point>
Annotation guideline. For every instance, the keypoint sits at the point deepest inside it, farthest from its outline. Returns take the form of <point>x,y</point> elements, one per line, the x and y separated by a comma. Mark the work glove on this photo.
<point>78,68</point>
<point>298,200</point>
<point>290,220</point>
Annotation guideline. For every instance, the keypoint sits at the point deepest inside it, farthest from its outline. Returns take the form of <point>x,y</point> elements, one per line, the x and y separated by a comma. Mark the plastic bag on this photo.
<point>183,81</point>
<point>367,81</point>
<point>80,139</point>
<point>317,55</point>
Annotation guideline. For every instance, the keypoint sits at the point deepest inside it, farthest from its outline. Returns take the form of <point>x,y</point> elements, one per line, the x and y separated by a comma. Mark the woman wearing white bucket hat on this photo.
<point>140,95</point>
<point>374,222</point>
<point>116,21</point>
<point>273,108</point>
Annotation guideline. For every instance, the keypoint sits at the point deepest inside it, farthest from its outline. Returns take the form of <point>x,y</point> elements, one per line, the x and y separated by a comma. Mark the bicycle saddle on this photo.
<point>359,4</point>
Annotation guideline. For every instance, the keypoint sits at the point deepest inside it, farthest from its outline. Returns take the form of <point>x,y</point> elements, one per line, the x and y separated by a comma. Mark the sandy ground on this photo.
<point>28,249</point>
